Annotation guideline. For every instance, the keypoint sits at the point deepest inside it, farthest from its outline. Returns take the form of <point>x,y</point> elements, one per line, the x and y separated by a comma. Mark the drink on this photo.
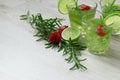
<point>96,43</point>
<point>76,14</point>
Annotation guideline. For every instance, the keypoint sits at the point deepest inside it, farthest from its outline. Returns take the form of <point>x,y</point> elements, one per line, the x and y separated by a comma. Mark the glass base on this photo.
<point>97,52</point>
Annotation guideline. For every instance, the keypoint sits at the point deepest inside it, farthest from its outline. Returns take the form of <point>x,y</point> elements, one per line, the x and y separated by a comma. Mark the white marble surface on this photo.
<point>22,58</point>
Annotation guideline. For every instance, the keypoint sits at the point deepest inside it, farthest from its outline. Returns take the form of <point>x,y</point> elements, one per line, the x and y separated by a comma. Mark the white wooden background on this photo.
<point>22,58</point>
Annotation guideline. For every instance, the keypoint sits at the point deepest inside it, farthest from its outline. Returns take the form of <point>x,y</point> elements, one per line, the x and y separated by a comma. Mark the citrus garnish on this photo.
<point>113,20</point>
<point>71,33</point>
<point>62,5</point>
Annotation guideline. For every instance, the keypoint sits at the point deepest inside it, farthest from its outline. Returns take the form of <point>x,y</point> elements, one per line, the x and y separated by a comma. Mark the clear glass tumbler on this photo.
<point>76,14</point>
<point>96,44</point>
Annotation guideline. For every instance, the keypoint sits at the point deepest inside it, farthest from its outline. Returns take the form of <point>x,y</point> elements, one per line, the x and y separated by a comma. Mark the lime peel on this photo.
<point>62,5</point>
<point>71,33</point>
<point>113,20</point>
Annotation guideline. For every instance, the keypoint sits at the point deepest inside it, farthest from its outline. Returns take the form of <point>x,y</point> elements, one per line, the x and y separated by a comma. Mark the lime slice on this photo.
<point>113,20</point>
<point>71,33</point>
<point>62,5</point>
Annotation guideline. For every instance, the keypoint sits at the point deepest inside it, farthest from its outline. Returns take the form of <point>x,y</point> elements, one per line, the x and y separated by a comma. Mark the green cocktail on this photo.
<point>97,36</point>
<point>76,14</point>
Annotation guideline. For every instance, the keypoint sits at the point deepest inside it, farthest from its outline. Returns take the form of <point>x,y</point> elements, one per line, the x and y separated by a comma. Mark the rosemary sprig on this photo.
<point>109,8</point>
<point>70,48</point>
<point>42,26</point>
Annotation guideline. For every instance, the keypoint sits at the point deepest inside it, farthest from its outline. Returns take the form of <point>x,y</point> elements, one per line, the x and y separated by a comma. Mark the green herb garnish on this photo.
<point>43,27</point>
<point>109,8</point>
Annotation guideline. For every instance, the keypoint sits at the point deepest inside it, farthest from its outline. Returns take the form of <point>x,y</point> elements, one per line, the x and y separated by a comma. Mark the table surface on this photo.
<point>22,58</point>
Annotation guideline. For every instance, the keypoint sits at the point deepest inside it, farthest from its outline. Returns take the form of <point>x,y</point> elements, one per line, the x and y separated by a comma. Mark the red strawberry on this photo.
<point>84,7</point>
<point>54,37</point>
<point>99,30</point>
<point>61,28</point>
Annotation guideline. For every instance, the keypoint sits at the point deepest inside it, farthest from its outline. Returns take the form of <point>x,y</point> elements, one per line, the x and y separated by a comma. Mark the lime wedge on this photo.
<point>71,33</point>
<point>113,20</point>
<point>62,5</point>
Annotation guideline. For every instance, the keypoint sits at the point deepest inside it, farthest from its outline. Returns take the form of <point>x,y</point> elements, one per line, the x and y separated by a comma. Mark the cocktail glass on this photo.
<point>76,14</point>
<point>96,44</point>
